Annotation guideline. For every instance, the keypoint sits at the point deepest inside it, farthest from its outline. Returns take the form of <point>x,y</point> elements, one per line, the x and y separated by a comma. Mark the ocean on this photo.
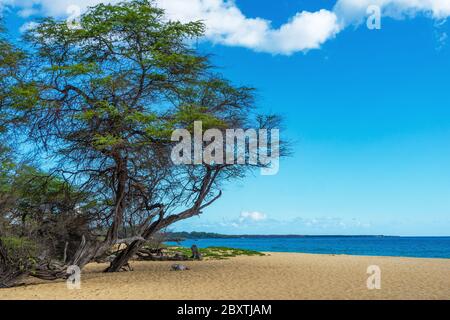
<point>420,247</point>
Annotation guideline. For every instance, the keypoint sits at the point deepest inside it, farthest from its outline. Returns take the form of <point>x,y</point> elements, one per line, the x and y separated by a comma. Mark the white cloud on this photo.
<point>28,12</point>
<point>226,24</point>
<point>224,21</point>
<point>4,5</point>
<point>307,30</point>
<point>246,219</point>
<point>329,223</point>
<point>253,216</point>
<point>299,225</point>
<point>56,8</point>
<point>27,26</point>
<point>351,11</point>
<point>442,39</point>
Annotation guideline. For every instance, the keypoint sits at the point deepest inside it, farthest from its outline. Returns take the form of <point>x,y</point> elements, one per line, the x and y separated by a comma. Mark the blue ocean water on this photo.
<point>422,247</point>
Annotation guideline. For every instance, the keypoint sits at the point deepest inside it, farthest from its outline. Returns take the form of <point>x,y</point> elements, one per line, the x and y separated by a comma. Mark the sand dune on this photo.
<point>275,276</point>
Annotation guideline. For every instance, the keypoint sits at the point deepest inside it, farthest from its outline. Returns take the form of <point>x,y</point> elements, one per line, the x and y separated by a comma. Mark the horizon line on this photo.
<point>313,235</point>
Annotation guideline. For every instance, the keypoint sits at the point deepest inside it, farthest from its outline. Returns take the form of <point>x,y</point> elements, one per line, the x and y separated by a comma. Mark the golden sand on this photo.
<point>275,276</point>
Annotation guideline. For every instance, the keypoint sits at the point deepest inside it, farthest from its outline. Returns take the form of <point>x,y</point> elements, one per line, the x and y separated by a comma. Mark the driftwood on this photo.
<point>144,254</point>
<point>9,276</point>
<point>157,255</point>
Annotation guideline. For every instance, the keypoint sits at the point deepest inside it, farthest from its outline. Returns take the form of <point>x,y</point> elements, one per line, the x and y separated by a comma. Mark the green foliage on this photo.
<point>187,114</point>
<point>107,141</point>
<point>36,185</point>
<point>9,55</point>
<point>77,69</point>
<point>22,251</point>
<point>138,117</point>
<point>24,96</point>
<point>215,253</point>
<point>6,168</point>
<point>32,193</point>
<point>117,68</point>
<point>16,243</point>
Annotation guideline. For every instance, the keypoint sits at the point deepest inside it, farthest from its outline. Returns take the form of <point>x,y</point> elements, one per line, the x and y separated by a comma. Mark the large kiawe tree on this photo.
<point>99,102</point>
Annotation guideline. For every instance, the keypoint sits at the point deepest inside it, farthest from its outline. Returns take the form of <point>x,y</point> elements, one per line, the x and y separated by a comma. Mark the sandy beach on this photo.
<point>274,276</point>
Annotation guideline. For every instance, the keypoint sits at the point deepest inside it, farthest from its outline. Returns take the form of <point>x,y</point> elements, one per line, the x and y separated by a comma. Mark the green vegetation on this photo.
<point>215,253</point>
<point>17,243</point>
<point>21,251</point>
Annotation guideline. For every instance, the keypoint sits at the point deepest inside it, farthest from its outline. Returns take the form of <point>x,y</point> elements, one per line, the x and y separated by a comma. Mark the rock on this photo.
<point>179,267</point>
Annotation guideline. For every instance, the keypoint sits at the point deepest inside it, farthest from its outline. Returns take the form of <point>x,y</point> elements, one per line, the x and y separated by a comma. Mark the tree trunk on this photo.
<point>120,201</point>
<point>125,255</point>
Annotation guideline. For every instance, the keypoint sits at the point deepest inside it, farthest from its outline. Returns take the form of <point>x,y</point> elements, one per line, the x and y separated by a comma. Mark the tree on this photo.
<point>42,221</point>
<point>100,102</point>
<point>91,97</point>
<point>218,105</point>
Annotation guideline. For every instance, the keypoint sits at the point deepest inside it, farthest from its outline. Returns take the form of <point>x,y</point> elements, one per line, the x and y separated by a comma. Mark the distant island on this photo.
<point>210,235</point>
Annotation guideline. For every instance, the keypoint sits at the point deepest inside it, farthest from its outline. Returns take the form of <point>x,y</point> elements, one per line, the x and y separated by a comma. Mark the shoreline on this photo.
<point>414,247</point>
<point>275,276</point>
<point>354,255</point>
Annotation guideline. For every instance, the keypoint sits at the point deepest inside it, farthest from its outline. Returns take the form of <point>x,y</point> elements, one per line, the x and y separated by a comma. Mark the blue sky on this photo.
<point>368,110</point>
